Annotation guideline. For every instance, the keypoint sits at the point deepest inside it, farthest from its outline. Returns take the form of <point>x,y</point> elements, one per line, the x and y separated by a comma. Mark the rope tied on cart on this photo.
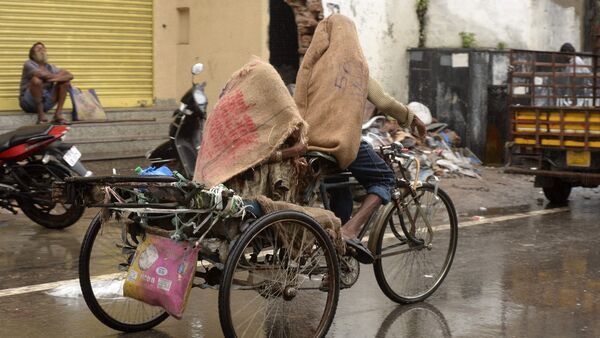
<point>223,204</point>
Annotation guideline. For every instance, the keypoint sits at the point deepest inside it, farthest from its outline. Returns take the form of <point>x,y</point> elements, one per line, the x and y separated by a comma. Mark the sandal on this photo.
<point>40,121</point>
<point>359,251</point>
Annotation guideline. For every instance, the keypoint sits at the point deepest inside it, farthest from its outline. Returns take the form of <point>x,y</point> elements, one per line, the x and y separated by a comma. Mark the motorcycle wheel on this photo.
<point>41,209</point>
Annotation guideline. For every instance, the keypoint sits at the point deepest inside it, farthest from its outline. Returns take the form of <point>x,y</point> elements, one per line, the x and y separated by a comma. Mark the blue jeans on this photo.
<point>27,101</point>
<point>372,173</point>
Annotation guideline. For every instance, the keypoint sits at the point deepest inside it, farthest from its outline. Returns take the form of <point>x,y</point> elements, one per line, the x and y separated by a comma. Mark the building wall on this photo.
<point>524,24</point>
<point>222,34</point>
<point>387,28</point>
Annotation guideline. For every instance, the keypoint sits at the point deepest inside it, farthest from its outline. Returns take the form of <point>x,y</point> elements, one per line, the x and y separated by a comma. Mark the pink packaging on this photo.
<point>161,273</point>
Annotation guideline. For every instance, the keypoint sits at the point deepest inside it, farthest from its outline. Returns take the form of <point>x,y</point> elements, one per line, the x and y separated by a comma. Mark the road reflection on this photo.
<point>415,320</point>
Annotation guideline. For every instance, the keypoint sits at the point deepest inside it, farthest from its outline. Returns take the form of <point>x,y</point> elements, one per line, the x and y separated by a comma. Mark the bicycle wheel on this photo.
<point>406,270</point>
<point>281,279</point>
<point>105,256</point>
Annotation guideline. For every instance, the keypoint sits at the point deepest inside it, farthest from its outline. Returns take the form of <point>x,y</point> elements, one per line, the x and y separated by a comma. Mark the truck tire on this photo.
<point>559,192</point>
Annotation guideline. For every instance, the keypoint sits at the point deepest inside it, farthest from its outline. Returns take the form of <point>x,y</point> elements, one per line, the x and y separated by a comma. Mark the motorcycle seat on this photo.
<point>22,134</point>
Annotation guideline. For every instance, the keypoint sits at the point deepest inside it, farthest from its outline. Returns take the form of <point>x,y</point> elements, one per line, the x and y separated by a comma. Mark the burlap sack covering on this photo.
<point>324,217</point>
<point>279,181</point>
<point>331,89</point>
<point>253,117</point>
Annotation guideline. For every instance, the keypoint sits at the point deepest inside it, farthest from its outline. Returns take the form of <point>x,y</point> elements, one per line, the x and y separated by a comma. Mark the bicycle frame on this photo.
<point>391,154</point>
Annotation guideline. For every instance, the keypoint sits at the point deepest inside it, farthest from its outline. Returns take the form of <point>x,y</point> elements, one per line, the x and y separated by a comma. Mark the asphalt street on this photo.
<point>532,271</point>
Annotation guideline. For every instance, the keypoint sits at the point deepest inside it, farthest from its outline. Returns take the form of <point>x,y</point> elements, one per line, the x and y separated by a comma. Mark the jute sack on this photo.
<point>331,89</point>
<point>326,218</point>
<point>253,117</point>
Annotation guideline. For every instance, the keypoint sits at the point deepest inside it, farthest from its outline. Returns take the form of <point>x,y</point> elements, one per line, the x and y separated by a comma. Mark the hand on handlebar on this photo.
<point>420,127</point>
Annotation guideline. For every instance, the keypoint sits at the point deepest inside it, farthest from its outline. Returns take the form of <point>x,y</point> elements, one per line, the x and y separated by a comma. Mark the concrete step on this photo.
<point>15,119</point>
<point>139,114</point>
<point>104,132</point>
<point>86,131</point>
<point>127,133</point>
<point>139,146</point>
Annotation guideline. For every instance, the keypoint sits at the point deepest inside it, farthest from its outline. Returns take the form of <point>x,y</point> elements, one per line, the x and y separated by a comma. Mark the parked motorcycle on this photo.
<point>185,132</point>
<point>32,158</point>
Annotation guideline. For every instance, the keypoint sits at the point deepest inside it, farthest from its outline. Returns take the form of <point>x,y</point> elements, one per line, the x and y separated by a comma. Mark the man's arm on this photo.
<point>63,75</point>
<point>56,75</point>
<point>386,104</point>
<point>390,106</point>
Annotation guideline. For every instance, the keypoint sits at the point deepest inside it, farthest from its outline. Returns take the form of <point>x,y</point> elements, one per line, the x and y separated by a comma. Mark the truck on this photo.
<point>553,103</point>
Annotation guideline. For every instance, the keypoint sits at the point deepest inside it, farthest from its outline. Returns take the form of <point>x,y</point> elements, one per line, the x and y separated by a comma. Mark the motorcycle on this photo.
<point>32,159</point>
<point>185,132</point>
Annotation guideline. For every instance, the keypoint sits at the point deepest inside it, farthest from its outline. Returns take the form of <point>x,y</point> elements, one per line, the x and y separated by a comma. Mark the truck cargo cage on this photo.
<point>553,100</point>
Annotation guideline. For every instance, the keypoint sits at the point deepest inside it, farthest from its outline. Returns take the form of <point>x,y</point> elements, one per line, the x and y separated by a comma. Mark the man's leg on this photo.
<point>355,224</point>
<point>340,202</point>
<point>36,88</point>
<point>60,95</point>
<point>377,178</point>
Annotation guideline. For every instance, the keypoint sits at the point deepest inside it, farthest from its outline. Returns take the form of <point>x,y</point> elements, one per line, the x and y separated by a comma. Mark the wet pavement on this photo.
<point>536,274</point>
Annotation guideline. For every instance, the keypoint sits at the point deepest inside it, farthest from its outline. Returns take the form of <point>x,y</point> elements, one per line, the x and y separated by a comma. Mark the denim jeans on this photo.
<point>27,102</point>
<point>372,173</point>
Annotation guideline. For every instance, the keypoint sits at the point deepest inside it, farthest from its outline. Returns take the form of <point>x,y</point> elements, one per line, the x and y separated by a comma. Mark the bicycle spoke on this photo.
<point>285,291</point>
<point>106,257</point>
<point>408,275</point>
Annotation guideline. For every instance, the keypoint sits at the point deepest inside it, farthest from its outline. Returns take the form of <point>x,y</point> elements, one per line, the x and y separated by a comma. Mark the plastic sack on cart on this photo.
<point>154,171</point>
<point>161,273</point>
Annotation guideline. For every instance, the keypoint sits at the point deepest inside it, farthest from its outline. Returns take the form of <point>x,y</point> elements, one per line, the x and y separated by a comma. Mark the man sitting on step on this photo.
<point>43,85</point>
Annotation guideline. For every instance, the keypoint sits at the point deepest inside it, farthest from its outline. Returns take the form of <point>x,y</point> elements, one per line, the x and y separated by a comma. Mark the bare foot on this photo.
<point>42,118</point>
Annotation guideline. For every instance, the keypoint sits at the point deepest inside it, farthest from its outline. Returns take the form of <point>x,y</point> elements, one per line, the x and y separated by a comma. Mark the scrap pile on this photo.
<point>440,153</point>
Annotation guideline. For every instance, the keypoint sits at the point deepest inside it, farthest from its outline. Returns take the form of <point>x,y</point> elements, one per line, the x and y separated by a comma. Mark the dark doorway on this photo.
<point>497,124</point>
<point>283,40</point>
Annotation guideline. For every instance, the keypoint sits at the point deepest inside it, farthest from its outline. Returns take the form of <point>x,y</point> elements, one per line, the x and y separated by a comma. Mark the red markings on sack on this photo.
<point>230,131</point>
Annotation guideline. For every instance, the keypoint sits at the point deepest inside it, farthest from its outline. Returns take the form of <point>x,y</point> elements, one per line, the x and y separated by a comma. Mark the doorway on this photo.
<point>283,40</point>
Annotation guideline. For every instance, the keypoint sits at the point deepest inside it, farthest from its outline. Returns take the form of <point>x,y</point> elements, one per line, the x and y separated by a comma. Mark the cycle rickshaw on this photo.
<point>277,275</point>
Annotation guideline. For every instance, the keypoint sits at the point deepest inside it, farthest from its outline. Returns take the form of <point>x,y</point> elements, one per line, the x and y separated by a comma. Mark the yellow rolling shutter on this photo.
<point>106,44</point>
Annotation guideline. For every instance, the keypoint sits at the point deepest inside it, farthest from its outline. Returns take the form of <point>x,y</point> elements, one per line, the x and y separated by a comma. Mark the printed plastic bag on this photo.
<point>161,273</point>
<point>86,105</point>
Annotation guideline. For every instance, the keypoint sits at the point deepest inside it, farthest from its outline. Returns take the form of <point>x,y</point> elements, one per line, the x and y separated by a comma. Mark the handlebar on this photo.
<point>399,152</point>
<point>396,149</point>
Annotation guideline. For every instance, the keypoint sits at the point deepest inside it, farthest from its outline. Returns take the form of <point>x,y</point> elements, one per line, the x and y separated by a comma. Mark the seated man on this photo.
<point>332,87</point>
<point>43,85</point>
<point>369,169</point>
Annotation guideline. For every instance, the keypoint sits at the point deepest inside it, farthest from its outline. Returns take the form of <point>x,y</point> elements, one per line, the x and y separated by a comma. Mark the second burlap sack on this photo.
<point>253,117</point>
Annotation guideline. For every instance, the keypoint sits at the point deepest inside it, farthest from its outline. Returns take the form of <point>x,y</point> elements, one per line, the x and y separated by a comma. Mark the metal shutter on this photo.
<point>106,44</point>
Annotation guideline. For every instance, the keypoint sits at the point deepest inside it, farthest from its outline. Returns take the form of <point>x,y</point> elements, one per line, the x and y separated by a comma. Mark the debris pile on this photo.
<point>439,153</point>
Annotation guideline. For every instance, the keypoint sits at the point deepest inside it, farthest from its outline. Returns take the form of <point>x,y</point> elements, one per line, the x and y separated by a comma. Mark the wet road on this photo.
<point>518,272</point>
